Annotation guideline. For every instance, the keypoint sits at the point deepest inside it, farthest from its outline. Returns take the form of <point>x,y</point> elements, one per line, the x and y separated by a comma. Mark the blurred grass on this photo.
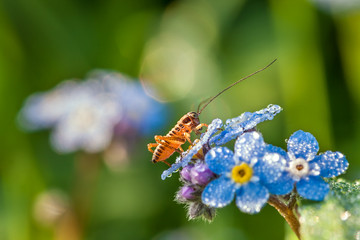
<point>201,47</point>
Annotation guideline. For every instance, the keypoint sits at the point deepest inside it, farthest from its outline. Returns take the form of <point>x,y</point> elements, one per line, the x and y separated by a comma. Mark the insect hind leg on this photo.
<point>152,145</point>
<point>169,165</point>
<point>164,161</point>
<point>167,140</point>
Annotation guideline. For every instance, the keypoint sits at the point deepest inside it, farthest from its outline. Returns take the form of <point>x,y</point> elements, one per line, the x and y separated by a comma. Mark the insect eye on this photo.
<point>186,120</point>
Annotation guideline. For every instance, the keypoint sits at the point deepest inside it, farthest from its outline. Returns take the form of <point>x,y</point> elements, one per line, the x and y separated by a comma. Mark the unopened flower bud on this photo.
<point>187,192</point>
<point>185,173</point>
<point>201,174</point>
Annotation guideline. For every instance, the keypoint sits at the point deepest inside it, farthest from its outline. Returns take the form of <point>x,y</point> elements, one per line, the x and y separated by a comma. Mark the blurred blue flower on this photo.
<point>306,168</point>
<point>43,110</point>
<point>139,111</point>
<point>245,173</point>
<point>88,124</point>
<point>247,121</point>
<point>88,115</point>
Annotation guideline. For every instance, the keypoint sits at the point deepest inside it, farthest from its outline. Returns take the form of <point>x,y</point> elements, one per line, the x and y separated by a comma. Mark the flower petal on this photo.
<point>234,127</point>
<point>274,149</point>
<point>303,145</point>
<point>249,145</point>
<point>250,198</point>
<point>219,192</point>
<point>332,164</point>
<point>220,160</point>
<point>282,186</point>
<point>313,188</point>
<point>270,167</point>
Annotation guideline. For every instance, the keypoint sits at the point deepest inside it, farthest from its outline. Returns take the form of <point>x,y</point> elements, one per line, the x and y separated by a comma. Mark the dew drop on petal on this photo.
<point>332,164</point>
<point>256,135</point>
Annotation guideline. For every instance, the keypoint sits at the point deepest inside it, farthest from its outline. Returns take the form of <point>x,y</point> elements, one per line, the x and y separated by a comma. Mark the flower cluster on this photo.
<point>87,115</point>
<point>254,172</point>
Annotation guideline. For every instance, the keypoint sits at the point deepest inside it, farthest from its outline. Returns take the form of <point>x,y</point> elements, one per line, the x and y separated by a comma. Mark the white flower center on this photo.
<point>299,168</point>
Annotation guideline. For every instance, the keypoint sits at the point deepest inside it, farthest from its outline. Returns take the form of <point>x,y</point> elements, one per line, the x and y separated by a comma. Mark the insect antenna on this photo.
<point>201,103</point>
<point>240,80</point>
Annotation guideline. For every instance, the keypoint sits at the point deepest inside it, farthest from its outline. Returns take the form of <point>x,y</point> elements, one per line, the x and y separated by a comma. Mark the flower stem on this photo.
<point>287,211</point>
<point>87,170</point>
<point>74,222</point>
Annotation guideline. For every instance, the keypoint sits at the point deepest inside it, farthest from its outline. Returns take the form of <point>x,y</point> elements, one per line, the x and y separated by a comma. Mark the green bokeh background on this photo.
<point>187,50</point>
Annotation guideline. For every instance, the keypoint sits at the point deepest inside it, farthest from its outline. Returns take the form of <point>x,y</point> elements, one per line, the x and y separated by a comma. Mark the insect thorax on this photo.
<point>191,119</point>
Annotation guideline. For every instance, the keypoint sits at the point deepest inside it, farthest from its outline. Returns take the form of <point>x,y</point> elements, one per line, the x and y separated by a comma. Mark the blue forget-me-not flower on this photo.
<point>306,168</point>
<point>244,174</point>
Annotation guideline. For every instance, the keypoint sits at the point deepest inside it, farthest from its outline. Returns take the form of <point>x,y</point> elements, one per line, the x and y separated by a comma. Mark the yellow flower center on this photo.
<point>242,173</point>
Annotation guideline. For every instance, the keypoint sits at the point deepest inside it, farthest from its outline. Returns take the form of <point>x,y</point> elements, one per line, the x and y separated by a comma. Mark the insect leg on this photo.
<point>179,149</point>
<point>152,145</point>
<point>155,161</point>
<point>169,139</point>
<point>166,141</point>
<point>167,163</point>
<point>187,136</point>
<point>199,127</point>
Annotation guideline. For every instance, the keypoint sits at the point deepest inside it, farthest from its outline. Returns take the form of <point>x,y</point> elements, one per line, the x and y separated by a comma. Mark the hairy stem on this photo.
<point>287,211</point>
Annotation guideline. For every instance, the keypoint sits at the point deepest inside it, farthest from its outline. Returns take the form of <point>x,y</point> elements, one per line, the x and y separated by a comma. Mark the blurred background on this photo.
<point>182,52</point>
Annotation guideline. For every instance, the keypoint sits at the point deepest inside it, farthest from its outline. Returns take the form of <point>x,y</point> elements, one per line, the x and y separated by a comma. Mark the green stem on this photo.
<point>86,172</point>
<point>287,211</point>
<point>87,168</point>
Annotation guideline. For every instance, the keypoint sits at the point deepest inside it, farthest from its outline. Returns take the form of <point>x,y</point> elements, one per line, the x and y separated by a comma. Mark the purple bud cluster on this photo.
<point>201,174</point>
<point>194,178</point>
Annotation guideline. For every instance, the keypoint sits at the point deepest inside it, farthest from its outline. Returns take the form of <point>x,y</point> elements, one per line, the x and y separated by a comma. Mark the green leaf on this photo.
<point>338,217</point>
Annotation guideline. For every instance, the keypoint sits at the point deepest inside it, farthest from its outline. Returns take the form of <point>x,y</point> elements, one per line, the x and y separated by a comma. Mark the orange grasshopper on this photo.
<point>165,146</point>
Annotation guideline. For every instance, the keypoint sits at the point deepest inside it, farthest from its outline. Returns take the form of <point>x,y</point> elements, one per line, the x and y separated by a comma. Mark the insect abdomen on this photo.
<point>175,131</point>
<point>161,153</point>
